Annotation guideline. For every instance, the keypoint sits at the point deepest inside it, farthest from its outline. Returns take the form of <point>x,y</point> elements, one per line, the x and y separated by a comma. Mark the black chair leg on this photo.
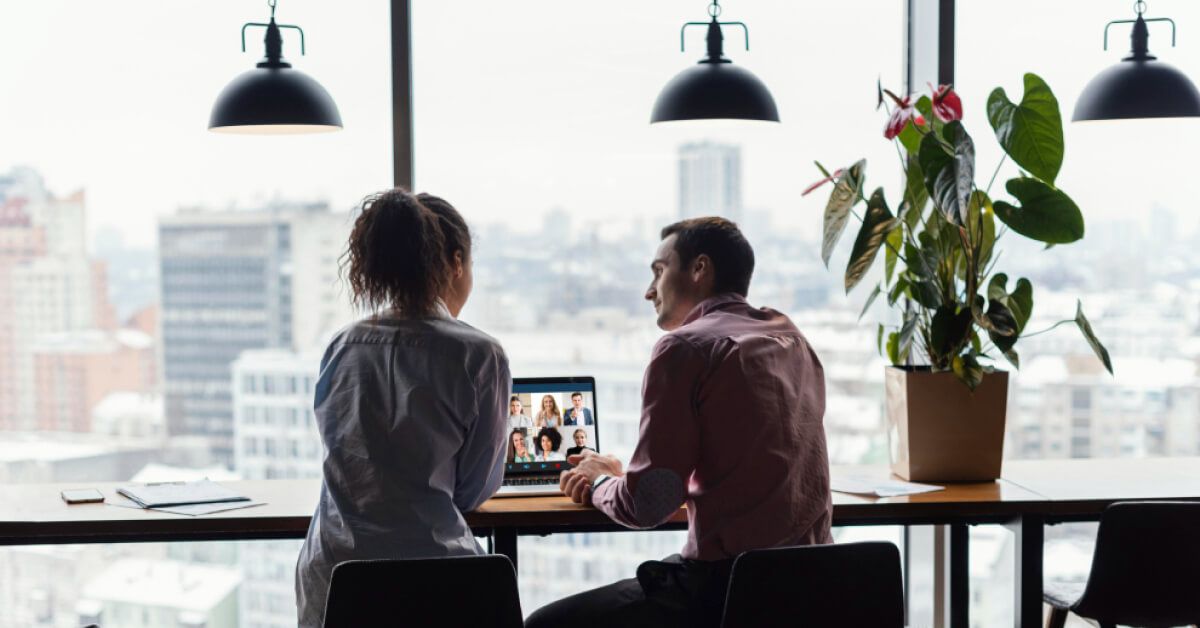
<point>1058,617</point>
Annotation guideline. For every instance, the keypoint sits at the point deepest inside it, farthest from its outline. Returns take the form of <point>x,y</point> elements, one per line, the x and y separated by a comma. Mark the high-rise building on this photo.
<point>275,436</point>
<point>238,280</point>
<point>74,371</point>
<point>47,284</point>
<point>710,180</point>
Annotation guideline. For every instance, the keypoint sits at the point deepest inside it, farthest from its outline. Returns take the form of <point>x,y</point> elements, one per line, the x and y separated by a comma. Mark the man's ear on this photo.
<point>702,270</point>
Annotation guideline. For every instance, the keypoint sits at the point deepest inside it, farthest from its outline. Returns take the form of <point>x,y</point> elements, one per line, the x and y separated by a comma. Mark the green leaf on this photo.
<point>949,330</point>
<point>897,290</point>
<point>906,337</point>
<point>870,300</point>
<point>1003,327</point>
<point>925,106</point>
<point>876,224</point>
<point>845,194</point>
<point>1084,326</point>
<point>915,194</point>
<point>981,227</point>
<point>910,138</point>
<point>976,345</point>
<point>968,370</point>
<point>1020,302</point>
<point>1013,358</point>
<point>893,348</point>
<point>926,293</point>
<point>879,340</point>
<point>1046,214</point>
<point>891,252</point>
<point>1031,132</point>
<point>950,179</point>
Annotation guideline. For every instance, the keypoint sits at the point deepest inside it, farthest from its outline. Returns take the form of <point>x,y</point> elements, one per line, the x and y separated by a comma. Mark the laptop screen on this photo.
<point>549,419</point>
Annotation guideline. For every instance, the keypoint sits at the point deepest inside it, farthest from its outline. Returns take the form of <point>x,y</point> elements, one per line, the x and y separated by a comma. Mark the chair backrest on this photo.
<point>853,584</point>
<point>1146,565</point>
<point>474,591</point>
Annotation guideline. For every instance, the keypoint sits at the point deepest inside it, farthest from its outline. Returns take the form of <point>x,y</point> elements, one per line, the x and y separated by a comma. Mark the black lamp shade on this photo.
<point>1138,88</point>
<point>274,100</point>
<point>711,90</point>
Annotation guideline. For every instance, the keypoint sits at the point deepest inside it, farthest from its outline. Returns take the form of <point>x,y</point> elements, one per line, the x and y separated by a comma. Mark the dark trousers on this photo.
<point>666,593</point>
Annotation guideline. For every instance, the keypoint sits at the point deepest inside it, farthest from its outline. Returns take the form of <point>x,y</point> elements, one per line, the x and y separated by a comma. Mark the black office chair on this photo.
<point>1144,571</point>
<point>852,585</point>
<point>466,591</point>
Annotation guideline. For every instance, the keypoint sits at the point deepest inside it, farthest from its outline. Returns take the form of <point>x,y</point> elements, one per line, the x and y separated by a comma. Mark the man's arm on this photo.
<point>668,446</point>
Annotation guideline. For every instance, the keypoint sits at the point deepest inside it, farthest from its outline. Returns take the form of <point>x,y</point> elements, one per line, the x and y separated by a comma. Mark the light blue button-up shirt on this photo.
<point>413,414</point>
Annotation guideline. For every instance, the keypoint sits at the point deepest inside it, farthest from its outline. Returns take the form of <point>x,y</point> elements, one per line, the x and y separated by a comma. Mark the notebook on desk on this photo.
<point>162,494</point>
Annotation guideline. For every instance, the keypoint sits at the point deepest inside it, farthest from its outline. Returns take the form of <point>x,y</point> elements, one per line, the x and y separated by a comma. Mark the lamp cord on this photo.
<point>714,9</point>
<point>271,3</point>
<point>1139,7</point>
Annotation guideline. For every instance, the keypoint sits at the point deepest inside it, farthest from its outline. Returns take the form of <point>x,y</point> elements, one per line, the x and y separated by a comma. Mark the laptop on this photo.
<point>549,418</point>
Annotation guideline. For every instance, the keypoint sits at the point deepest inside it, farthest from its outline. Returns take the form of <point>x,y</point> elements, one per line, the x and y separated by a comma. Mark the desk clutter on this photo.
<point>201,497</point>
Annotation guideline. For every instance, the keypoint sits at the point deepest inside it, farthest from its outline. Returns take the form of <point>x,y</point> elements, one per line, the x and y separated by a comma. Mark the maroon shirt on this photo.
<point>732,409</point>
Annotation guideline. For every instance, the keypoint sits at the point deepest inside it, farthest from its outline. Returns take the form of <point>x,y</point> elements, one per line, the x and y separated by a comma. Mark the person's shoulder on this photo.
<point>476,346</point>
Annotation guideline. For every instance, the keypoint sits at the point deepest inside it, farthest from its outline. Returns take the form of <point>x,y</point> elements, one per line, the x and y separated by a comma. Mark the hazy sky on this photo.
<point>526,105</point>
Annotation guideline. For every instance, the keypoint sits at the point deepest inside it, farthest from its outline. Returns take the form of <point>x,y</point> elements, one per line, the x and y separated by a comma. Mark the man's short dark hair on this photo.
<point>577,394</point>
<point>723,243</point>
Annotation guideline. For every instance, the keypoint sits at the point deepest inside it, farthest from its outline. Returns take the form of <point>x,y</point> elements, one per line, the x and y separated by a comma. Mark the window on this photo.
<point>120,213</point>
<point>567,185</point>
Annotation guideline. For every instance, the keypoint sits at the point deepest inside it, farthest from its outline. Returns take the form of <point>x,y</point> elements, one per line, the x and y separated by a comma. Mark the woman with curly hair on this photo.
<point>409,401</point>
<point>548,441</point>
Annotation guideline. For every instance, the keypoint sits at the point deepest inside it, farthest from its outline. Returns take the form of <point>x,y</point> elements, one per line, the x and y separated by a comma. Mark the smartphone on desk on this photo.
<point>82,496</point>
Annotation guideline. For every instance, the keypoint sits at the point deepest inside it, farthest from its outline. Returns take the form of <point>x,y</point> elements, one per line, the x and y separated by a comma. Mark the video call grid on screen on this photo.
<point>550,404</point>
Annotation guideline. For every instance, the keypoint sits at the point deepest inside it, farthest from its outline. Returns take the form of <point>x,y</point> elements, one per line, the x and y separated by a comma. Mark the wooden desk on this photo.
<point>1032,494</point>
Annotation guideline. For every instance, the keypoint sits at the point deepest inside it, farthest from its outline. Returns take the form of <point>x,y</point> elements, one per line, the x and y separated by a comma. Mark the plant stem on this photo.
<point>1050,328</point>
<point>988,191</point>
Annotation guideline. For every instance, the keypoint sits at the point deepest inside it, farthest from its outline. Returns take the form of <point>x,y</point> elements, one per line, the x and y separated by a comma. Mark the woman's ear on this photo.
<point>458,264</point>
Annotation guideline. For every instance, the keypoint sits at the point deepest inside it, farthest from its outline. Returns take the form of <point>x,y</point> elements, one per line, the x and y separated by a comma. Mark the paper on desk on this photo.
<point>206,509</point>
<point>876,487</point>
<point>191,510</point>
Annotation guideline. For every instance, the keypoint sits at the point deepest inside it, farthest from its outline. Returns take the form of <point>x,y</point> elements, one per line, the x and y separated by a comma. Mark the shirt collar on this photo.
<point>439,311</point>
<point>713,303</point>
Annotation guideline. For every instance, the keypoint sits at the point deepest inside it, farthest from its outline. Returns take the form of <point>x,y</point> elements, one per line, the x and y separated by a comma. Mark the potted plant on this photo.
<point>946,400</point>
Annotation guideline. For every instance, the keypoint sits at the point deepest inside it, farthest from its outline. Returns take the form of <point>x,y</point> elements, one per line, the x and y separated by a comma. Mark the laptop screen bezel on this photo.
<point>546,468</point>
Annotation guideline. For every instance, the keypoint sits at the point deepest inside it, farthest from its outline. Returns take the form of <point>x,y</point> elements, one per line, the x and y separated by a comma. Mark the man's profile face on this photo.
<point>672,290</point>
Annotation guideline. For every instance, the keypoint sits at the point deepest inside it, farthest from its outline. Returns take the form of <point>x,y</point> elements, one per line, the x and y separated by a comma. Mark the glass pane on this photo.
<point>1133,181</point>
<point>533,120</point>
<point>164,290</point>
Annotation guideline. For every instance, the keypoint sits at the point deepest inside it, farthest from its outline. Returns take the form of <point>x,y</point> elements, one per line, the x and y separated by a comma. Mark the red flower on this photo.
<point>836,173</point>
<point>901,115</point>
<point>946,104</point>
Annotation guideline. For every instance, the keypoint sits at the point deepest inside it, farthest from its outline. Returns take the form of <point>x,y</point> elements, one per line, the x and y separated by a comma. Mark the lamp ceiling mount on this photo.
<point>714,88</point>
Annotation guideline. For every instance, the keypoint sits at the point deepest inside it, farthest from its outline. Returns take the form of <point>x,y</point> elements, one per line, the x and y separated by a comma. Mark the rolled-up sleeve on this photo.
<point>655,484</point>
<point>481,460</point>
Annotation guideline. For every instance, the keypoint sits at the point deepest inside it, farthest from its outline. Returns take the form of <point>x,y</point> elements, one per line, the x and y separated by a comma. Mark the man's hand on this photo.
<point>577,483</point>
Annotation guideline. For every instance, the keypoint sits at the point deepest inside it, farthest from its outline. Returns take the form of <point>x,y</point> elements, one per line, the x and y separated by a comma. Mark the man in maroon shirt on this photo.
<point>732,409</point>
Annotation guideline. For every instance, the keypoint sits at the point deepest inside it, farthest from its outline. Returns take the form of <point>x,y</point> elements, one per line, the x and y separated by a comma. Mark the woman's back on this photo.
<point>413,417</point>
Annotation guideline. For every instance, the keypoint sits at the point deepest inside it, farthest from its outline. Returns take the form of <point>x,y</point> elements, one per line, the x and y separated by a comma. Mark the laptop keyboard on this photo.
<point>534,481</point>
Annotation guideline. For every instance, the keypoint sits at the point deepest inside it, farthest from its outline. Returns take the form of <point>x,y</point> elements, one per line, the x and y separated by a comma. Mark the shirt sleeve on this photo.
<point>654,486</point>
<point>481,459</point>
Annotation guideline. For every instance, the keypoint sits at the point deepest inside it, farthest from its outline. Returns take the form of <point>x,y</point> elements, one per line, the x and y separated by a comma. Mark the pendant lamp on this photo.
<point>273,98</point>
<point>714,88</point>
<point>1139,86</point>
